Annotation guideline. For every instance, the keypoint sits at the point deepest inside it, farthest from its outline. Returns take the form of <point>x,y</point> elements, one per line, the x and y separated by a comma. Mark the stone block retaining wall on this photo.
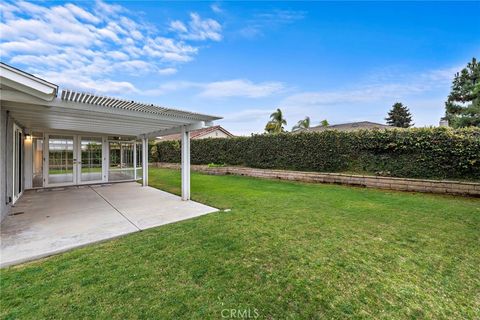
<point>401,184</point>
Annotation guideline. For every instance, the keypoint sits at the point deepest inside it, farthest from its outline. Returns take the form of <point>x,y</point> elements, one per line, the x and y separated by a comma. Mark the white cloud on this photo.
<point>423,92</point>
<point>167,71</point>
<point>367,93</point>
<point>441,76</point>
<point>247,121</point>
<point>95,43</point>
<point>133,66</point>
<point>281,16</point>
<point>108,9</point>
<point>82,14</point>
<point>216,8</point>
<point>222,89</point>
<point>240,88</point>
<point>118,55</point>
<point>7,10</point>
<point>70,79</point>
<point>249,115</point>
<point>261,21</point>
<point>27,46</point>
<point>169,49</point>
<point>171,86</point>
<point>178,26</point>
<point>198,29</point>
<point>381,86</point>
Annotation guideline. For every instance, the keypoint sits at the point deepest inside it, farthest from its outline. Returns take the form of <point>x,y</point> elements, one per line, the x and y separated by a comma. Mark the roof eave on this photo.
<point>25,82</point>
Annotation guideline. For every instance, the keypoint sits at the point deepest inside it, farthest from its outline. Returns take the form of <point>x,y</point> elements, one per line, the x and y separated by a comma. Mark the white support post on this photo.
<point>135,160</point>
<point>185,164</point>
<point>121,156</point>
<point>145,161</point>
<point>106,159</point>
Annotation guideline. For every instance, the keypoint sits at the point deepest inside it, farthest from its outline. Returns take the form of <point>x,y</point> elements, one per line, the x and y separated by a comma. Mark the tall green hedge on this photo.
<point>416,153</point>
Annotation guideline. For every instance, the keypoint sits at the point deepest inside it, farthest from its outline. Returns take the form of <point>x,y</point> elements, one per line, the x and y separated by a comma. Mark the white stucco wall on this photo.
<point>5,163</point>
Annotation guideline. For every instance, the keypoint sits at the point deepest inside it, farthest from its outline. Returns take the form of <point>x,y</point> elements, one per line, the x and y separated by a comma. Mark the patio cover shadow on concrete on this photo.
<point>47,222</point>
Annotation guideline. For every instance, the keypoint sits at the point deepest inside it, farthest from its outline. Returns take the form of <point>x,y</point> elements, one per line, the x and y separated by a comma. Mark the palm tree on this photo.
<point>270,127</point>
<point>302,124</point>
<point>276,123</point>
<point>324,123</point>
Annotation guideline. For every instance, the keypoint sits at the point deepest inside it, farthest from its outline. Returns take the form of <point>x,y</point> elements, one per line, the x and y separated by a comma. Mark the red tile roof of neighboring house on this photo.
<point>196,134</point>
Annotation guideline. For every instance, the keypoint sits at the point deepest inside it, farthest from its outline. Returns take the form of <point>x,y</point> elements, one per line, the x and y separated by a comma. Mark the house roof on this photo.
<point>34,103</point>
<point>197,133</point>
<point>351,126</point>
<point>26,82</point>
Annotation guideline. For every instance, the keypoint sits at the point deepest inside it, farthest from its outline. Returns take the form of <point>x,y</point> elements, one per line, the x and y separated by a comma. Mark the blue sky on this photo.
<point>337,61</point>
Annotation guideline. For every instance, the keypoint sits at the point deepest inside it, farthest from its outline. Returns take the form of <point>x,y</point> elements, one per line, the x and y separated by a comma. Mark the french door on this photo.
<point>73,159</point>
<point>90,159</point>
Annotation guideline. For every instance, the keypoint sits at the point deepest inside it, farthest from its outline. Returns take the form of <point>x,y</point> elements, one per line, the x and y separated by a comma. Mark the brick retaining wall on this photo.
<point>402,184</point>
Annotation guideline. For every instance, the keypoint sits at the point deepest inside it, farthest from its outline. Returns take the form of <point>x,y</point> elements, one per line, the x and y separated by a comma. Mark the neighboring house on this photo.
<point>443,123</point>
<point>52,137</point>
<point>210,132</point>
<point>352,126</point>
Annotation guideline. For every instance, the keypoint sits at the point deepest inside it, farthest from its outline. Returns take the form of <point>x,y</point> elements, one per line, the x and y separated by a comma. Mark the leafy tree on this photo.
<point>399,116</point>
<point>462,108</point>
<point>324,123</point>
<point>276,123</point>
<point>302,124</point>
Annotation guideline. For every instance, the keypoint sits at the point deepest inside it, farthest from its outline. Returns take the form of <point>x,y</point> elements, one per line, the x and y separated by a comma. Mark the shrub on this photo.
<point>416,153</point>
<point>216,165</point>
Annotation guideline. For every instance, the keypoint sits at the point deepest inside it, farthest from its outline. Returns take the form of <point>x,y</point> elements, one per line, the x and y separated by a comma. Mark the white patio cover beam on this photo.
<point>60,114</point>
<point>185,163</point>
<point>37,104</point>
<point>14,96</point>
<point>178,129</point>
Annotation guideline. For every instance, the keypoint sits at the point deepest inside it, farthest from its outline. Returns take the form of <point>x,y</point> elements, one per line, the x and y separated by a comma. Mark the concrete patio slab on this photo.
<point>147,207</point>
<point>48,222</point>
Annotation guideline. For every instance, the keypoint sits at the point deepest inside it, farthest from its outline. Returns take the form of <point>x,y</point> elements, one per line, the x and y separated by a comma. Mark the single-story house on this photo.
<point>204,133</point>
<point>52,137</point>
<point>351,126</point>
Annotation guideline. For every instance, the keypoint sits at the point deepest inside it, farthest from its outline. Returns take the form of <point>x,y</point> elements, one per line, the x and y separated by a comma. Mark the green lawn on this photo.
<point>285,250</point>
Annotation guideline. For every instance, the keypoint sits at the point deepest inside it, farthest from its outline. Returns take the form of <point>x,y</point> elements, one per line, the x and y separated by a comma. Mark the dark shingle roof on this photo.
<point>352,126</point>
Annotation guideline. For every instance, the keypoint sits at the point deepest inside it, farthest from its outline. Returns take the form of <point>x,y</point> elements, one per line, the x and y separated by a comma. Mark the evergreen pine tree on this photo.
<point>462,108</point>
<point>399,116</point>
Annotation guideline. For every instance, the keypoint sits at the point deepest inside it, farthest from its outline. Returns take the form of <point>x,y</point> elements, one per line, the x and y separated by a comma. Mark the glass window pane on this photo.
<point>139,160</point>
<point>37,146</point>
<point>60,159</point>
<point>91,159</point>
<point>121,164</point>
